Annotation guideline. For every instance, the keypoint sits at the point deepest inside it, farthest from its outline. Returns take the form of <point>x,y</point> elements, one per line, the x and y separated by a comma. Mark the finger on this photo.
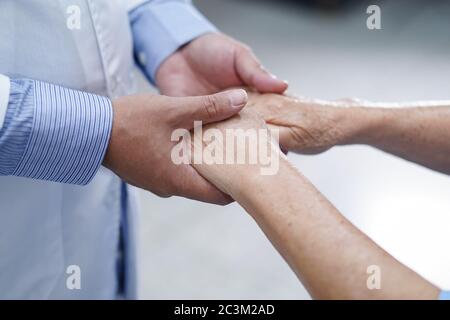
<point>253,74</point>
<point>284,137</point>
<point>211,108</point>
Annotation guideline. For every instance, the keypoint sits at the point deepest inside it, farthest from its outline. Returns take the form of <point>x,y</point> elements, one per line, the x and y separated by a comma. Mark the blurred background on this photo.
<point>190,250</point>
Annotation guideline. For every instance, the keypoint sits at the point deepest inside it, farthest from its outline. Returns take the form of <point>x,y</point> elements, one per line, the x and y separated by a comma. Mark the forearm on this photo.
<point>416,132</point>
<point>328,254</point>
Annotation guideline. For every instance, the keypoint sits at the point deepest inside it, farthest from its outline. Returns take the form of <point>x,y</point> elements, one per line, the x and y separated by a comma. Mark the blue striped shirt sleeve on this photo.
<point>54,133</point>
<point>160,27</point>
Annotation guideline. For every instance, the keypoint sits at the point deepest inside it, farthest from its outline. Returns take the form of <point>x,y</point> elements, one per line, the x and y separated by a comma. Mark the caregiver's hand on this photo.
<point>211,63</point>
<point>140,146</point>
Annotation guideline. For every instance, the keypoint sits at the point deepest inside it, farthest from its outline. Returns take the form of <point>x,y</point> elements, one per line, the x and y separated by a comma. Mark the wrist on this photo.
<point>360,124</point>
<point>255,187</point>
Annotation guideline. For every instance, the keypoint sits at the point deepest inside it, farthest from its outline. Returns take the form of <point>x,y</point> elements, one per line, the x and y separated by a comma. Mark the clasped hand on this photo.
<point>140,145</point>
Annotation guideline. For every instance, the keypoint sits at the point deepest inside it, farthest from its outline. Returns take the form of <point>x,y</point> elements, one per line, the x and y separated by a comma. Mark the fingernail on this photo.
<point>238,98</point>
<point>276,78</point>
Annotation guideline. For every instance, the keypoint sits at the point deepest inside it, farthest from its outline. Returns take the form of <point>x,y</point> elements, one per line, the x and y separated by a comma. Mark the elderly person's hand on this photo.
<point>307,230</point>
<point>415,131</point>
<point>306,125</point>
<point>253,149</point>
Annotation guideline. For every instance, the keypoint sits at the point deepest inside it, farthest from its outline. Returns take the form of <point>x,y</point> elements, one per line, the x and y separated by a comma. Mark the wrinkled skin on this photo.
<point>307,126</point>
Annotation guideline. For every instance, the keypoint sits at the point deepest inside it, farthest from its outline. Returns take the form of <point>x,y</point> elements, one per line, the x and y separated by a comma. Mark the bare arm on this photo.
<point>328,254</point>
<point>418,132</point>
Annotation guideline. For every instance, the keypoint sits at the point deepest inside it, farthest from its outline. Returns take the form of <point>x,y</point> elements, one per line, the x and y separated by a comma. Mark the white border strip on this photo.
<point>4,97</point>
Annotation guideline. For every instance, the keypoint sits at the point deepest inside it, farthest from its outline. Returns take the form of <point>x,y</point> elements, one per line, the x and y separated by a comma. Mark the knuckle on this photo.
<point>211,106</point>
<point>244,48</point>
<point>252,56</point>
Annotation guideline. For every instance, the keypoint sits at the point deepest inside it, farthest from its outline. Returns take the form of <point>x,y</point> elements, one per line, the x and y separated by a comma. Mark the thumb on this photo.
<point>211,108</point>
<point>254,75</point>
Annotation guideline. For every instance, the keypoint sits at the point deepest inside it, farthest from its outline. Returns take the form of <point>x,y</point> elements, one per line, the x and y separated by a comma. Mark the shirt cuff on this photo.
<point>444,295</point>
<point>54,133</point>
<point>161,27</point>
